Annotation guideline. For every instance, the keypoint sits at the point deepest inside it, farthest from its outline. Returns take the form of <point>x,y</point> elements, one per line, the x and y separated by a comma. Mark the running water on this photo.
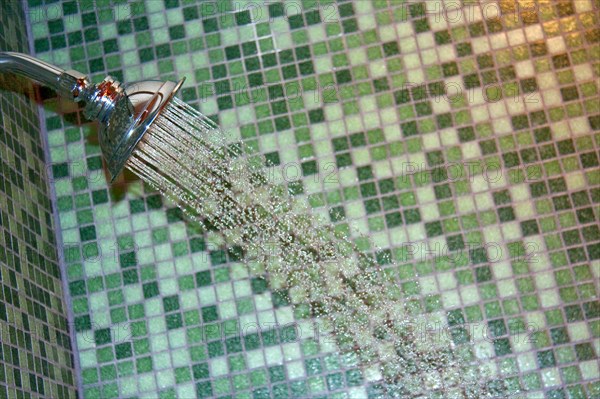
<point>188,159</point>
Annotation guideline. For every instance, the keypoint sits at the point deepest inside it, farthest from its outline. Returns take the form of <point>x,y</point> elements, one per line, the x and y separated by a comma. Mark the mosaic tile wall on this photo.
<point>36,357</point>
<point>462,137</point>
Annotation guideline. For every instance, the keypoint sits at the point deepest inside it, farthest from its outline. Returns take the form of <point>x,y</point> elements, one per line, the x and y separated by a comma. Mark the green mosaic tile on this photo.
<point>36,334</point>
<point>375,96</point>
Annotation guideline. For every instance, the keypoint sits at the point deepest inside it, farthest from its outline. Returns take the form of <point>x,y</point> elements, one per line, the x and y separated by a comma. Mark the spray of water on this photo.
<point>223,189</point>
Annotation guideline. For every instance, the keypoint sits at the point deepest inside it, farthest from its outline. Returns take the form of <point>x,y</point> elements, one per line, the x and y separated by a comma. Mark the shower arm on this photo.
<point>125,112</point>
<point>101,100</point>
<point>66,83</point>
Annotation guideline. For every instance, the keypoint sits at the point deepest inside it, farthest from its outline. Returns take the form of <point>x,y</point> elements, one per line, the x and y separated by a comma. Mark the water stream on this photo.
<point>224,189</point>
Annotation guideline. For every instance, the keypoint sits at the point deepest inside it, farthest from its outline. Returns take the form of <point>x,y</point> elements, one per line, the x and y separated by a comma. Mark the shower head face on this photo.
<point>125,116</point>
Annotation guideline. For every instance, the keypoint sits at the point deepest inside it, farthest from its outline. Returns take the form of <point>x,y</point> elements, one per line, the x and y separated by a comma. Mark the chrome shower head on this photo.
<point>125,112</point>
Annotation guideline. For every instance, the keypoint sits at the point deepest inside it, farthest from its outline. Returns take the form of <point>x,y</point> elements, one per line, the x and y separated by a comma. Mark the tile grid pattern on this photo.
<point>36,358</point>
<point>397,118</point>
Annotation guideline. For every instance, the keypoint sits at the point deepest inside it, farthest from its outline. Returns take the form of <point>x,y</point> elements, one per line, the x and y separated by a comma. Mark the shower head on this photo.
<point>125,112</point>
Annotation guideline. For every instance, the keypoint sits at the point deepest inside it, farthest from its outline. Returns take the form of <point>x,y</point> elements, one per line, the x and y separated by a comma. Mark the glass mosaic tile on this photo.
<point>36,353</point>
<point>460,137</point>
